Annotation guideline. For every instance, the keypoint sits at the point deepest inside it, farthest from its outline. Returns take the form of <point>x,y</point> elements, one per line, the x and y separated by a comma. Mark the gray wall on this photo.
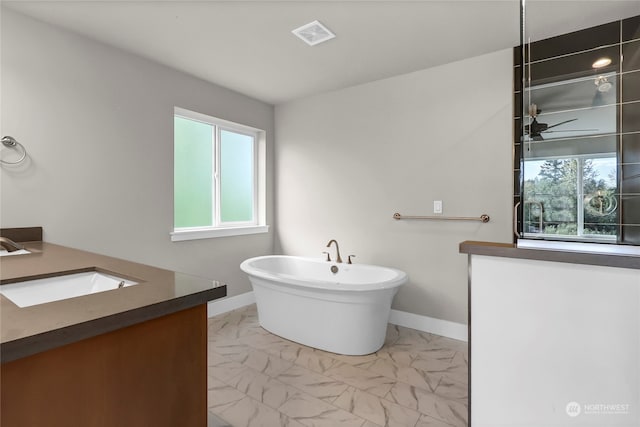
<point>347,160</point>
<point>98,126</point>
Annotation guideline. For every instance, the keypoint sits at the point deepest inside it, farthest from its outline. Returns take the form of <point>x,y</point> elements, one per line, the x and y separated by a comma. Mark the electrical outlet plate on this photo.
<point>437,206</point>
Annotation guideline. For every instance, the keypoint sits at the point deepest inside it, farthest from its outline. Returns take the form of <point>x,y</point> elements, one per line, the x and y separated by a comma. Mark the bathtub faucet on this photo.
<point>339,259</point>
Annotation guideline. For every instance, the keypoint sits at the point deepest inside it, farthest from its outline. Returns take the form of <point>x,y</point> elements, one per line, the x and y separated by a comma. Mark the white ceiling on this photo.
<point>247,46</point>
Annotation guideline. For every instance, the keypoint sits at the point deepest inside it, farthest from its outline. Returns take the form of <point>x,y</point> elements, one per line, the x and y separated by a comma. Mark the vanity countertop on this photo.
<point>607,256</point>
<point>29,330</point>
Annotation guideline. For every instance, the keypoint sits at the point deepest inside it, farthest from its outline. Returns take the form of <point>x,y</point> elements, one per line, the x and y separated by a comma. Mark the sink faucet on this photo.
<point>10,245</point>
<point>337,250</point>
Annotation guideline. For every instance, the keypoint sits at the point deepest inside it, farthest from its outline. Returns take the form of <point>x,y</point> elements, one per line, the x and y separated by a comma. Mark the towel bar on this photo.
<point>482,218</point>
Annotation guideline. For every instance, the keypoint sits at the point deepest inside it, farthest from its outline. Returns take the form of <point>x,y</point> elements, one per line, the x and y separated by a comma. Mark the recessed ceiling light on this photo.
<point>601,62</point>
<point>313,33</point>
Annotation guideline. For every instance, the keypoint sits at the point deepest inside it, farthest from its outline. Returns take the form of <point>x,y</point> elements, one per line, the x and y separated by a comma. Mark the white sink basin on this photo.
<point>40,291</point>
<point>4,252</point>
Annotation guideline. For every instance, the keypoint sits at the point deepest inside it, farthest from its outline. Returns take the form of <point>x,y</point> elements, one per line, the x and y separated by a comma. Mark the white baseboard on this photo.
<point>431,325</point>
<point>445,328</point>
<point>224,305</point>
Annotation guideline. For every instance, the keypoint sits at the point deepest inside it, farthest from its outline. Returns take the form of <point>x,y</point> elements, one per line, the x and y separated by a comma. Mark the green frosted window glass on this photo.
<point>236,177</point>
<point>193,172</point>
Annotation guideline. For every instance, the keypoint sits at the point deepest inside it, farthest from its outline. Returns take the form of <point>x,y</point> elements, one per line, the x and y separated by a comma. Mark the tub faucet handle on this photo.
<point>349,259</point>
<point>328,256</point>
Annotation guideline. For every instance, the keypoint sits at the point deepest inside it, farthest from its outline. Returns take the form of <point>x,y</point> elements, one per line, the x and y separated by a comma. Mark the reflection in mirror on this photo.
<point>570,176</point>
<point>570,168</point>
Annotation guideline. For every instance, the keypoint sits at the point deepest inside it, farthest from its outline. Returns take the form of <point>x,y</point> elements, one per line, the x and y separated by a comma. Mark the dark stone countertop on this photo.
<point>29,330</point>
<point>608,258</point>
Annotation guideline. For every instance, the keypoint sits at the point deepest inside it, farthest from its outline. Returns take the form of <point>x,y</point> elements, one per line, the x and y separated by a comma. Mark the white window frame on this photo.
<point>580,236</point>
<point>219,228</point>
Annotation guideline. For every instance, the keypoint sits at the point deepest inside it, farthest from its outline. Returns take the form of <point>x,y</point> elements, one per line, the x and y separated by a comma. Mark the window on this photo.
<point>218,177</point>
<point>571,197</point>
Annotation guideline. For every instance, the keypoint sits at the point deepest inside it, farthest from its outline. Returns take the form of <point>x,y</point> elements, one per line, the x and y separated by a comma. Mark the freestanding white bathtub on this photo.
<point>300,299</point>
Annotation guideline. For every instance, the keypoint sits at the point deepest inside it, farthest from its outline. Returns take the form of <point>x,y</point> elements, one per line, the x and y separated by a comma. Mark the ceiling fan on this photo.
<point>535,128</point>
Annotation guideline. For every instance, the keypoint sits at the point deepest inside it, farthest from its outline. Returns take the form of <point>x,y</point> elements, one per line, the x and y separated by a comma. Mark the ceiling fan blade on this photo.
<point>534,128</point>
<point>572,130</point>
<point>538,138</point>
<point>561,123</point>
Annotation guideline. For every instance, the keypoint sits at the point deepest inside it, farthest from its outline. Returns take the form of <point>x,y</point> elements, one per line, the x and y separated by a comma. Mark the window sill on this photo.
<point>586,247</point>
<point>208,233</point>
<point>587,238</point>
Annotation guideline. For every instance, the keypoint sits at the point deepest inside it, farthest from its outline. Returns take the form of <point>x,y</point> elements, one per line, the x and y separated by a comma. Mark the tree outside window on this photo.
<point>573,196</point>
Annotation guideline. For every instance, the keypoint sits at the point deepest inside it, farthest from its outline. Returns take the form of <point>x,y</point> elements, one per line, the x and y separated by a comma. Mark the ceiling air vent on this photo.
<point>313,33</point>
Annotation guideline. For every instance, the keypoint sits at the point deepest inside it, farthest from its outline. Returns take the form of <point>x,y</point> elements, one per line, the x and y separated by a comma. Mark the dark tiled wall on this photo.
<point>629,154</point>
<point>517,132</point>
<point>572,54</point>
<point>578,41</point>
<point>631,28</point>
<point>630,139</point>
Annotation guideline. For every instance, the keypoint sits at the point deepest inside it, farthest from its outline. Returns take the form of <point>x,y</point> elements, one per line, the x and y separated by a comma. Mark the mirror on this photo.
<point>574,124</point>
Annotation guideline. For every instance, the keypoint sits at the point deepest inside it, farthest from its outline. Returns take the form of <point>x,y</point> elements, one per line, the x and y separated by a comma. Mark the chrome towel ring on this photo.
<point>9,141</point>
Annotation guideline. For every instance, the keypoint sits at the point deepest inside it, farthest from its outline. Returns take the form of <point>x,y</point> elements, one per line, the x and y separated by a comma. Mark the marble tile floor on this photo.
<point>257,379</point>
